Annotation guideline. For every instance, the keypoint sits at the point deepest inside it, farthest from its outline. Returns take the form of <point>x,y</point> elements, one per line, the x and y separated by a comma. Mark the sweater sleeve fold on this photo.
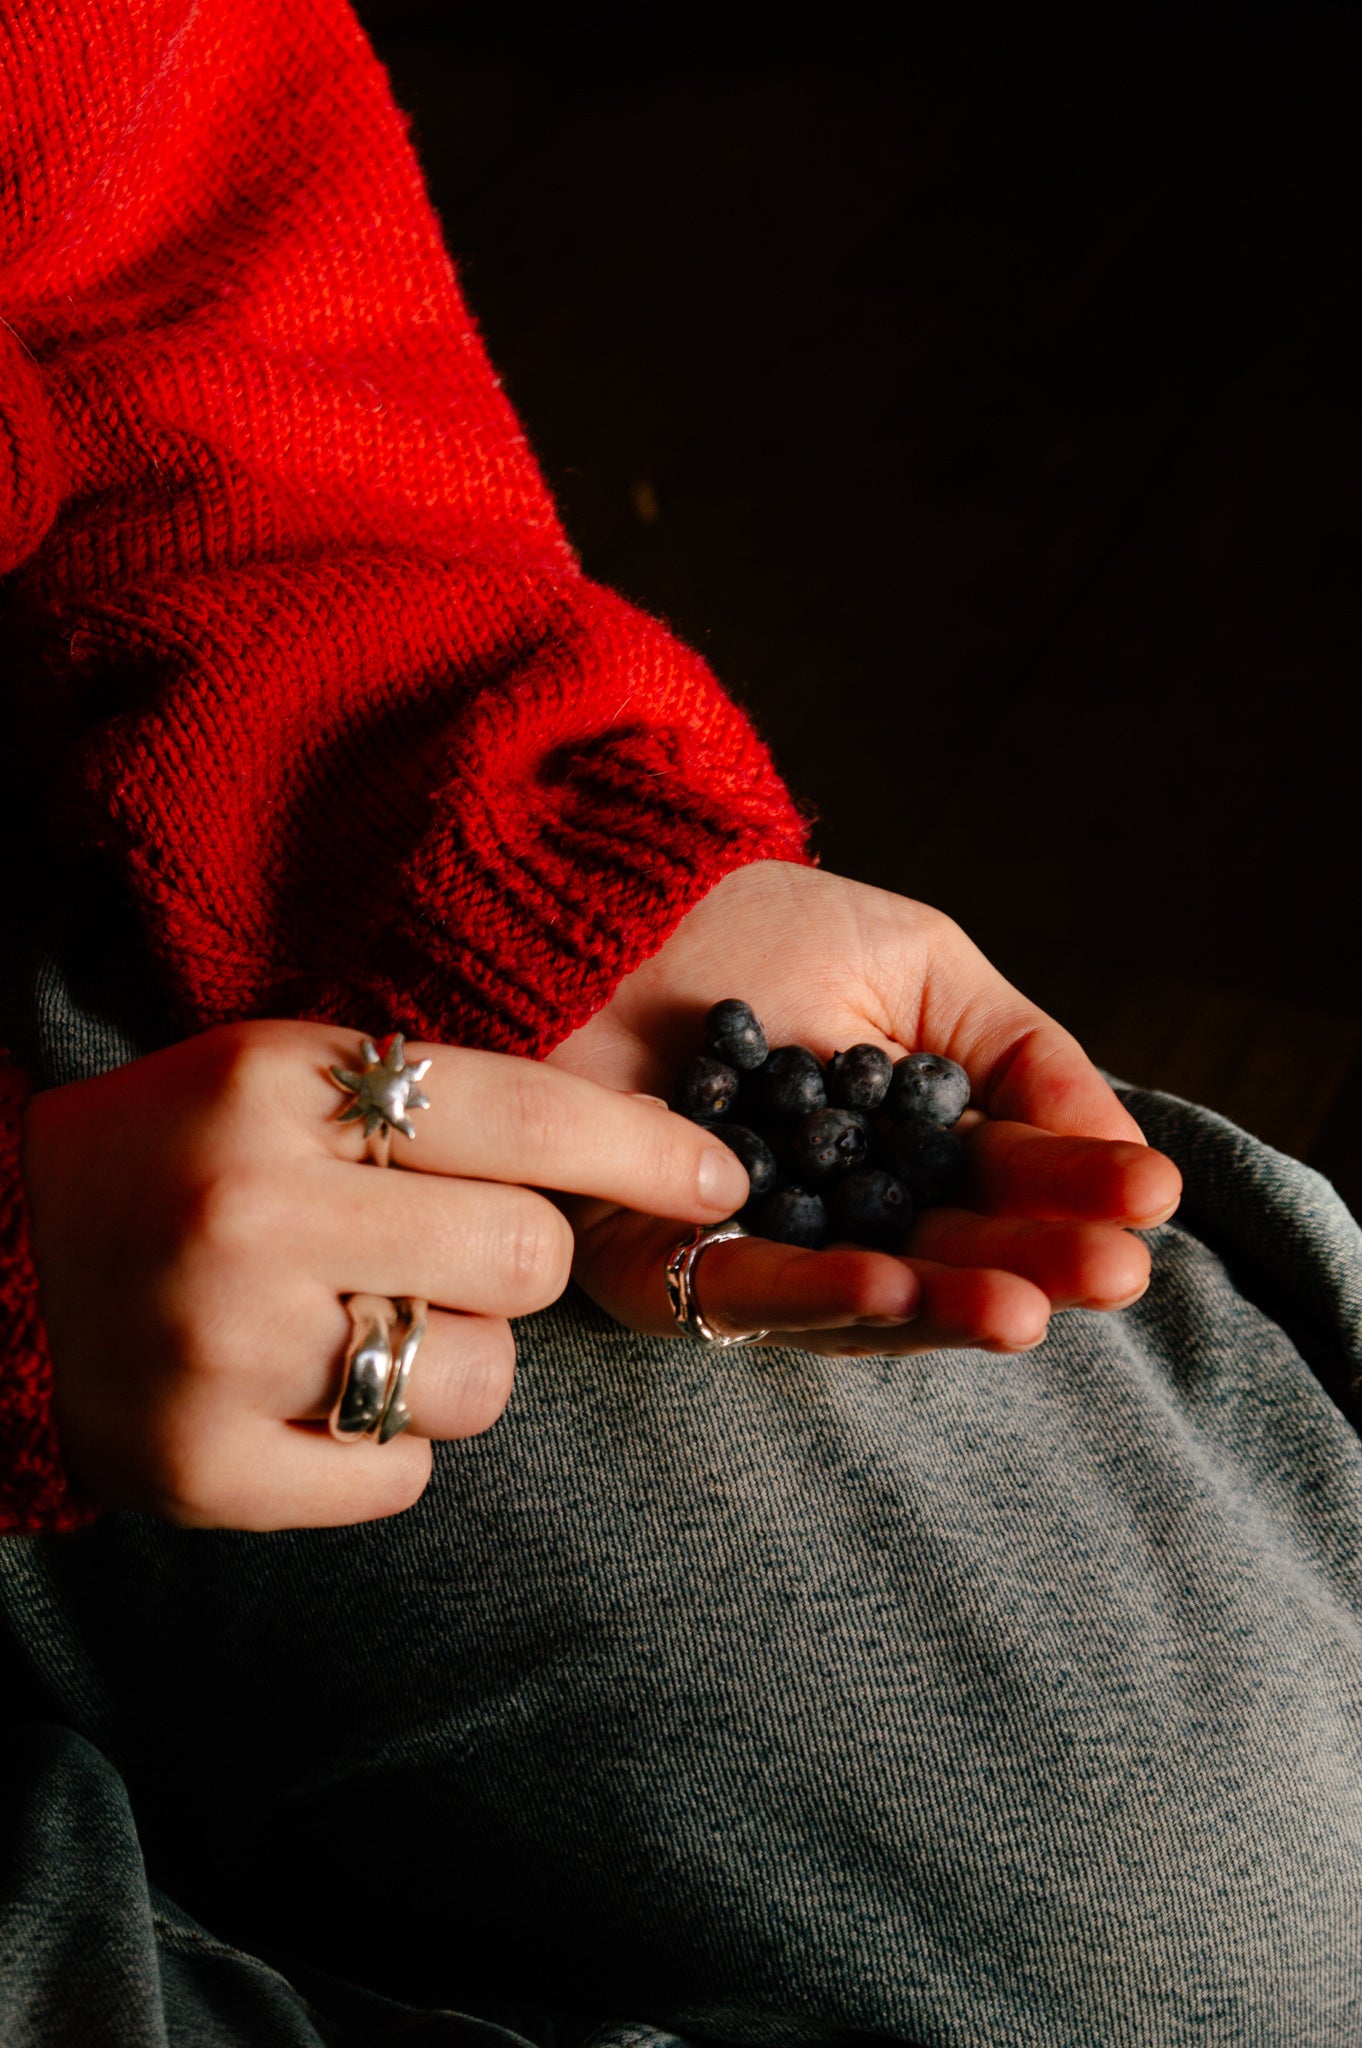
<point>362,737</point>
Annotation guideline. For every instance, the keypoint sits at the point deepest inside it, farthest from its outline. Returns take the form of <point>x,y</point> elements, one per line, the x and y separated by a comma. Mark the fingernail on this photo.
<point>885,1322</point>
<point>656,1100</point>
<point>1110,1307</point>
<point>723,1179</point>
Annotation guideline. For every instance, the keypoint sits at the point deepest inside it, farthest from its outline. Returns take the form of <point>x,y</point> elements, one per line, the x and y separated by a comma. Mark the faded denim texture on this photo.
<point>963,1701</point>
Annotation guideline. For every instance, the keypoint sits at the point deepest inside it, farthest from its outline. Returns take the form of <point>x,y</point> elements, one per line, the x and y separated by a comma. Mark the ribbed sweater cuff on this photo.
<point>460,801</point>
<point>34,1491</point>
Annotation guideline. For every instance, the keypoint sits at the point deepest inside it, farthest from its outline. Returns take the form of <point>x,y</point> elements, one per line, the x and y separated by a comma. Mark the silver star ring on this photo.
<point>384,1091</point>
<point>681,1284</point>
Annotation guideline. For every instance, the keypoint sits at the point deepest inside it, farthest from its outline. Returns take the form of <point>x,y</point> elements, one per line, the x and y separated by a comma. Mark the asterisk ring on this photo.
<point>385,1090</point>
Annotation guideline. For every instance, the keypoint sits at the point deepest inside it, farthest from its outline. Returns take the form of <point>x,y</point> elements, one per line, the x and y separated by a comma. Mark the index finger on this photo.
<point>1016,1170</point>
<point>491,1116</point>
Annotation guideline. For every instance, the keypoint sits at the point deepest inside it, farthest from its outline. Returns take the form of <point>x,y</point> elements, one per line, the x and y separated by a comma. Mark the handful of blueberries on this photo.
<point>850,1149</point>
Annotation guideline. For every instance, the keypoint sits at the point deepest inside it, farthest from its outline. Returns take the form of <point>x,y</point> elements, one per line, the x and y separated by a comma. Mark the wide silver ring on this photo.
<point>680,1272</point>
<point>384,1339</point>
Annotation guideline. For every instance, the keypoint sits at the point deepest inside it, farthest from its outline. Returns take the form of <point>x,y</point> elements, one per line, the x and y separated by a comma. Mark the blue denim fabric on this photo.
<point>763,1698</point>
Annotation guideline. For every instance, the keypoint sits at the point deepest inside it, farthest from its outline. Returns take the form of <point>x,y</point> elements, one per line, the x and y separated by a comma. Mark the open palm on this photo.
<point>1059,1174</point>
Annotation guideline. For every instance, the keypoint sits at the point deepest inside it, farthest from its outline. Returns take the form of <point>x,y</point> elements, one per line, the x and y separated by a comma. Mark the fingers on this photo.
<point>1083,1265</point>
<point>223,1472</point>
<point>474,1245</point>
<point>959,1309</point>
<point>869,1301</point>
<point>750,1284</point>
<point>495,1118</point>
<point>969,1279</point>
<point>461,1378</point>
<point>251,1449</point>
<point>1019,1171</point>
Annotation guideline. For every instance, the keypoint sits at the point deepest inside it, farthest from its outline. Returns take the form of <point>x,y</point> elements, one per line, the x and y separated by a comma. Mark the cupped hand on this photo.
<point>1059,1174</point>
<point>199,1215</point>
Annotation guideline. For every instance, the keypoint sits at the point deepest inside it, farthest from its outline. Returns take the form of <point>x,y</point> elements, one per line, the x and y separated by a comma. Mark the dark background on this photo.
<point>978,394</point>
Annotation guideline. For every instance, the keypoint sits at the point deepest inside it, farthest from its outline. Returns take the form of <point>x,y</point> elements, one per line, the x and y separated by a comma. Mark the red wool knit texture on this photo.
<point>331,690</point>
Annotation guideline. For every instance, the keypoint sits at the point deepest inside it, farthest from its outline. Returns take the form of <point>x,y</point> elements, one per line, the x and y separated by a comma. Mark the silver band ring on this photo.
<point>681,1284</point>
<point>411,1318</point>
<point>372,1398</point>
<point>368,1368</point>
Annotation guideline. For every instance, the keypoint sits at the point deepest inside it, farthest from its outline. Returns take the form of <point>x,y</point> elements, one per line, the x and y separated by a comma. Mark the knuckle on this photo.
<point>184,1480</point>
<point>672,1156</point>
<point>239,1061</point>
<point>537,1251</point>
<point>535,1111</point>
<point>227,1215</point>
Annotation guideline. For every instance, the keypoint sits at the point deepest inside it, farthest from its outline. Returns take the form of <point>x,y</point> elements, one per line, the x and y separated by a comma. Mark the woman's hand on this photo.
<point>1060,1174</point>
<point>198,1216</point>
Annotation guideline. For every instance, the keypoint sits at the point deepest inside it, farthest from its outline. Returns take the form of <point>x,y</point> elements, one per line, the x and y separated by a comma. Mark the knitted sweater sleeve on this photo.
<point>362,737</point>
<point>290,600</point>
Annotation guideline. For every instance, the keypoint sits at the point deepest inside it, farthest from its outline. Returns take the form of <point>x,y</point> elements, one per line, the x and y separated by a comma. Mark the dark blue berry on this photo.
<point>858,1078</point>
<point>734,1036</point>
<point>790,1216</point>
<point>927,1089</point>
<point>929,1161</point>
<point>827,1142</point>
<point>788,1084</point>
<point>872,1208</point>
<point>755,1154</point>
<point>706,1090</point>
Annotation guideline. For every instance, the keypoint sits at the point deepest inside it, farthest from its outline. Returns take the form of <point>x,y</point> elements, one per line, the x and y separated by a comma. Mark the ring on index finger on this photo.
<point>385,1091</point>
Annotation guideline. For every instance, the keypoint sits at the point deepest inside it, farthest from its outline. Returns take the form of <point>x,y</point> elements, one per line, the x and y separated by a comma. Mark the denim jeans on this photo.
<point>750,1697</point>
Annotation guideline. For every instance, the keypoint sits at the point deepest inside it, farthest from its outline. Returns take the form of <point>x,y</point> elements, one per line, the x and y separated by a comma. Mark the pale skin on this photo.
<point>199,1214</point>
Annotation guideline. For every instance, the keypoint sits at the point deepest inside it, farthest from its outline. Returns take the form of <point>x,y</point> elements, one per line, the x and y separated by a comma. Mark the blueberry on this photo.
<point>858,1078</point>
<point>872,1208</point>
<point>707,1089</point>
<point>755,1154</point>
<point>827,1142</point>
<point>734,1036</point>
<point>790,1216</point>
<point>929,1161</point>
<point>788,1084</point>
<point>927,1089</point>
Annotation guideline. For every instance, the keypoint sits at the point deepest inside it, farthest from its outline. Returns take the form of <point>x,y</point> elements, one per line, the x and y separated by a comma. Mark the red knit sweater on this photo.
<point>361,737</point>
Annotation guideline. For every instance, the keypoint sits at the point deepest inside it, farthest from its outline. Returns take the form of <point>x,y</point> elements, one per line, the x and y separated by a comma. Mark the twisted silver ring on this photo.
<point>372,1398</point>
<point>680,1272</point>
